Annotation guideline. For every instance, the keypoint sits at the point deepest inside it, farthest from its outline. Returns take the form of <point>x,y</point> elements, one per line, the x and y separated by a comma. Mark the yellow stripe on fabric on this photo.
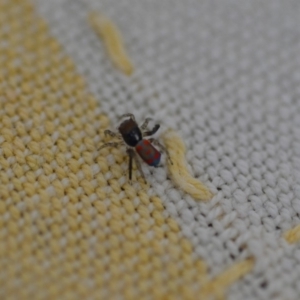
<point>178,169</point>
<point>69,227</point>
<point>292,236</point>
<point>108,31</point>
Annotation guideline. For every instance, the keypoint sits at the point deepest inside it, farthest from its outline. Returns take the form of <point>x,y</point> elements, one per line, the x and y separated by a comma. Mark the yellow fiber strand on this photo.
<point>217,286</point>
<point>112,40</point>
<point>293,235</point>
<point>179,170</point>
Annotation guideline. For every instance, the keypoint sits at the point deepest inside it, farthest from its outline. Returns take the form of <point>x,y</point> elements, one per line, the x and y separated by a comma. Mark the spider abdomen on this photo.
<point>148,153</point>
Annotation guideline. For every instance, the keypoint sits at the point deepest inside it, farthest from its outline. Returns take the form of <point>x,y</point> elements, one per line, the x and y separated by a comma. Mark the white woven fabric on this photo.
<point>225,75</point>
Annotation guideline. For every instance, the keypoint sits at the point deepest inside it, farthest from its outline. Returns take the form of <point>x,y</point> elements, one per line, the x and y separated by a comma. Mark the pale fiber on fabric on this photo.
<point>225,75</point>
<point>112,40</point>
<point>178,170</point>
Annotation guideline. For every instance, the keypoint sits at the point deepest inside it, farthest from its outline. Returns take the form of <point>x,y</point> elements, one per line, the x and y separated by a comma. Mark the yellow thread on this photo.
<point>218,285</point>
<point>292,236</point>
<point>179,171</point>
<point>113,41</point>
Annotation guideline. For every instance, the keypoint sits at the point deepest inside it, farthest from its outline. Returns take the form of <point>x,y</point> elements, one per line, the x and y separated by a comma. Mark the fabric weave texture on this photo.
<point>225,76</point>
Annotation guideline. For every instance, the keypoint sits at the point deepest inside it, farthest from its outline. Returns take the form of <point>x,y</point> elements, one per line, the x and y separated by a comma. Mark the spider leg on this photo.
<point>163,149</point>
<point>133,156</point>
<point>152,131</point>
<point>130,154</point>
<point>112,134</point>
<point>131,116</point>
<point>145,124</point>
<point>111,144</point>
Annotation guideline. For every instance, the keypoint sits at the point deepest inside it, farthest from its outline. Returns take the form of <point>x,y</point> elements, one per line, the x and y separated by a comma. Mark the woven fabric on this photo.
<point>225,76</point>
